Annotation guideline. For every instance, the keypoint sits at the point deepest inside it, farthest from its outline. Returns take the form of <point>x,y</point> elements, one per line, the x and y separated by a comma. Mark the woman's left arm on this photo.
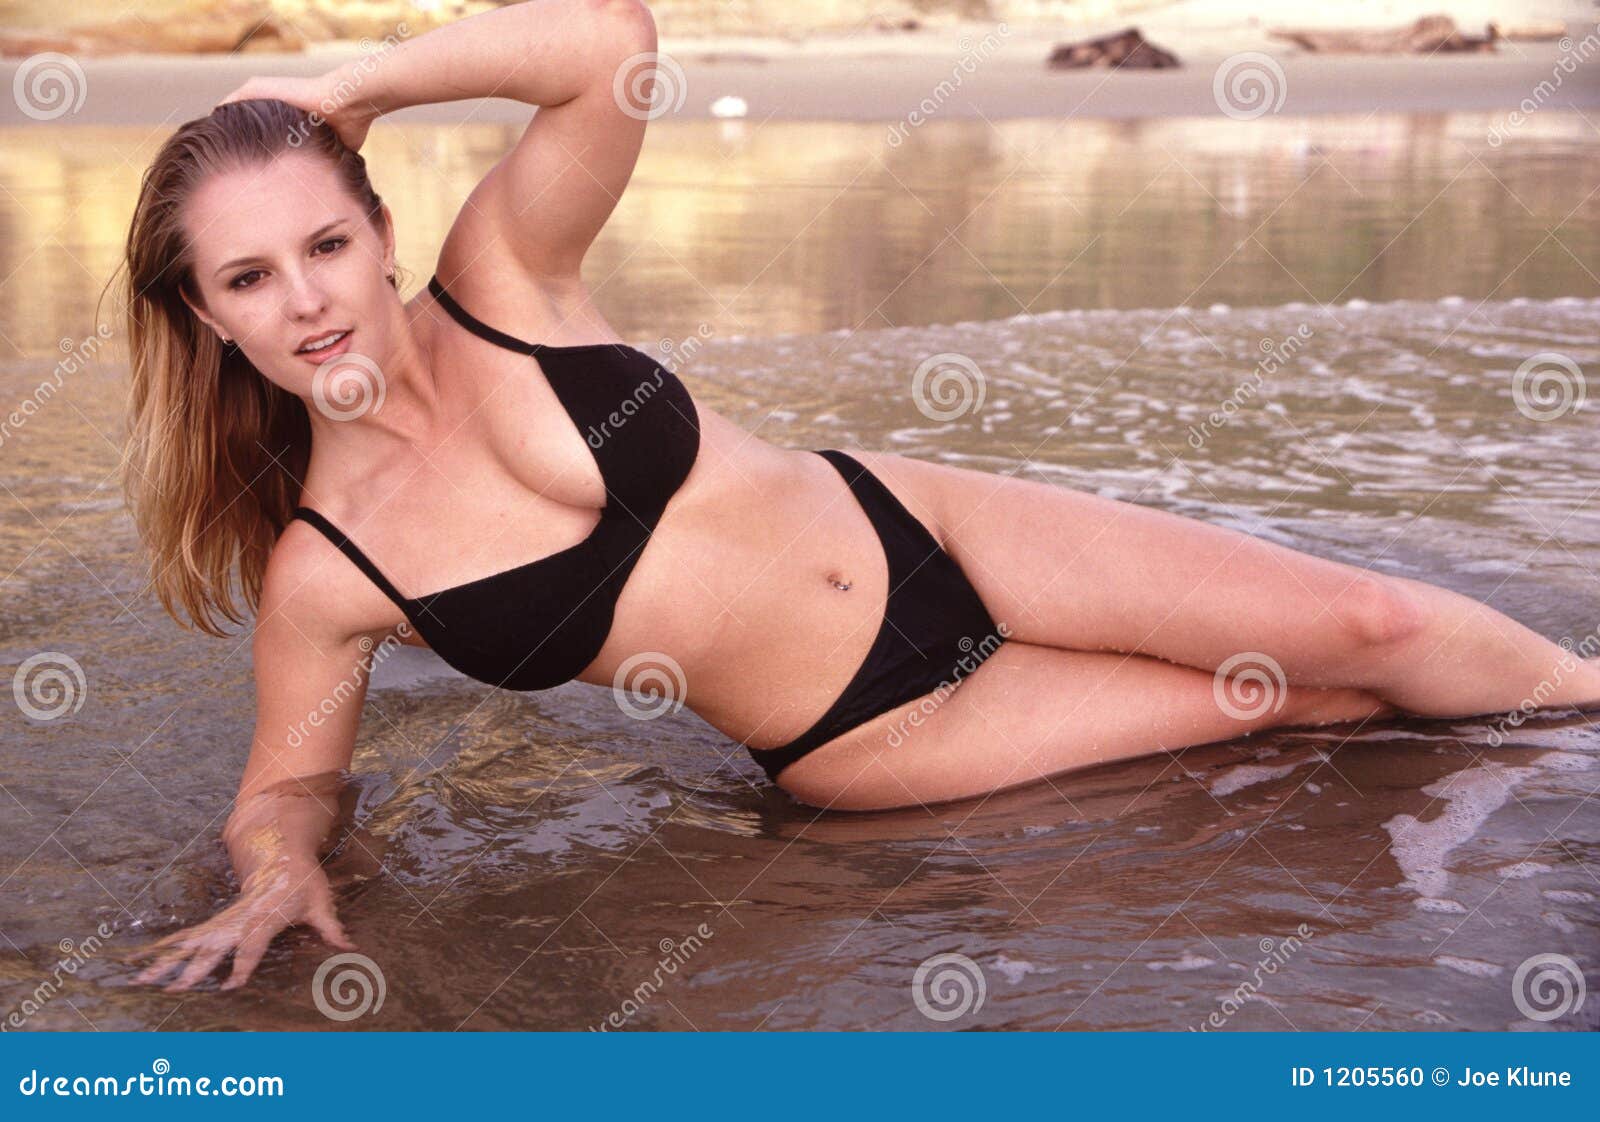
<point>580,62</point>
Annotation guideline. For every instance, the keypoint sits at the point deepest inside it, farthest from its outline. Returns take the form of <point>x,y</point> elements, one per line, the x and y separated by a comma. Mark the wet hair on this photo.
<point>216,452</point>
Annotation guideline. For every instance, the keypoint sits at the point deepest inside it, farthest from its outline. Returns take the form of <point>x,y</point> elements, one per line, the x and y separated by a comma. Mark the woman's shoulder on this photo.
<point>321,591</point>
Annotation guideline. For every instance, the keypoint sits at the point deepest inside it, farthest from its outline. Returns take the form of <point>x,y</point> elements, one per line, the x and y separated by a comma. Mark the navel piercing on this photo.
<point>843,586</point>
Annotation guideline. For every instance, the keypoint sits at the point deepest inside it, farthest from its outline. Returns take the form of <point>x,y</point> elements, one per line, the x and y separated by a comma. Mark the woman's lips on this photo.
<point>317,358</point>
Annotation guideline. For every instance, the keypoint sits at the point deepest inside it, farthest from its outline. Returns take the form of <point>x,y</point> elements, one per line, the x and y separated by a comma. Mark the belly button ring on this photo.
<point>842,586</point>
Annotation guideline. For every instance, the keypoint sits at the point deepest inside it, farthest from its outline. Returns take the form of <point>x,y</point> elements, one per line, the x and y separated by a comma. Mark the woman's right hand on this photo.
<point>323,95</point>
<point>281,893</point>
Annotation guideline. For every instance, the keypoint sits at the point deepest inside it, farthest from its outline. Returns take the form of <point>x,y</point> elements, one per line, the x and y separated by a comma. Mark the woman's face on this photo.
<point>282,257</point>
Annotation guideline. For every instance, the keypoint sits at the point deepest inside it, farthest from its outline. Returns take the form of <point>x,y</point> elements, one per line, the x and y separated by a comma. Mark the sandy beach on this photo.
<point>968,69</point>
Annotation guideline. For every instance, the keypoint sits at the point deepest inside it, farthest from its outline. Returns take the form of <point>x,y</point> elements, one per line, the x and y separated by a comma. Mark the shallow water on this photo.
<point>532,860</point>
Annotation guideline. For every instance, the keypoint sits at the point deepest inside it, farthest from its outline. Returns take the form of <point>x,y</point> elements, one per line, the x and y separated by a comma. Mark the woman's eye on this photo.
<point>241,281</point>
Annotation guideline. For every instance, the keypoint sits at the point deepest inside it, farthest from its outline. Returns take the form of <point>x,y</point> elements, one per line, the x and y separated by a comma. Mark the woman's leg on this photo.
<point>1029,712</point>
<point>1080,572</point>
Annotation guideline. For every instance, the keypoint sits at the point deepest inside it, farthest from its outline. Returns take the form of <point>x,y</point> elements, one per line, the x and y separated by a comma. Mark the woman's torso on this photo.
<point>736,586</point>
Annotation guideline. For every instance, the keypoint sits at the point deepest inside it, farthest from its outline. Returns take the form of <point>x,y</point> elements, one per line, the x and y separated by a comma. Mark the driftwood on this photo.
<point>1125,50</point>
<point>1424,37</point>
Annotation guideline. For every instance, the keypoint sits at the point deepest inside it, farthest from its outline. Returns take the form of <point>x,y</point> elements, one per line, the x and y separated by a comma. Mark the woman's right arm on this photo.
<point>311,672</point>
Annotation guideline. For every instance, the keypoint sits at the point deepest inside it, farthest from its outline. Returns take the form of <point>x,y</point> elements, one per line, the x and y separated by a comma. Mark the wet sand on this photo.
<point>885,77</point>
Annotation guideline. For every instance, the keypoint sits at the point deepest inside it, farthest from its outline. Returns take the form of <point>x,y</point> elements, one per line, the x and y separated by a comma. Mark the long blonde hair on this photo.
<point>216,452</point>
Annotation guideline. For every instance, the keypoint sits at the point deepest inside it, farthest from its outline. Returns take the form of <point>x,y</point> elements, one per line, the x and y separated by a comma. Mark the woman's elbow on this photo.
<point>630,23</point>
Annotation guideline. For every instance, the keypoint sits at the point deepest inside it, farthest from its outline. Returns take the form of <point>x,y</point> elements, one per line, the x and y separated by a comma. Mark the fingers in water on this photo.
<point>161,966</point>
<point>332,931</point>
<point>245,961</point>
<point>203,963</point>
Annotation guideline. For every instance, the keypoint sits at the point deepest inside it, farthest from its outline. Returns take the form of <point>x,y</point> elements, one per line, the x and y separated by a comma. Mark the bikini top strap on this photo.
<point>477,326</point>
<point>348,548</point>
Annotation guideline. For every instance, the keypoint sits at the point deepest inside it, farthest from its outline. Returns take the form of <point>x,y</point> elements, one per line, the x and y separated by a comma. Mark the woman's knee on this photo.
<point>1379,613</point>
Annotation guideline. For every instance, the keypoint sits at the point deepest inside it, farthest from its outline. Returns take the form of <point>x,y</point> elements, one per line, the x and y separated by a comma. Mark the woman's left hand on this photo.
<point>349,118</point>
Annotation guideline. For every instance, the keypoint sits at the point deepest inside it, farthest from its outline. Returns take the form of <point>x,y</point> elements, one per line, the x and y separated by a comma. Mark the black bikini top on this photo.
<point>539,624</point>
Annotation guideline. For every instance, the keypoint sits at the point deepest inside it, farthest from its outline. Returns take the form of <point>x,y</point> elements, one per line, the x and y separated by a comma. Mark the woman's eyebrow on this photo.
<point>248,259</point>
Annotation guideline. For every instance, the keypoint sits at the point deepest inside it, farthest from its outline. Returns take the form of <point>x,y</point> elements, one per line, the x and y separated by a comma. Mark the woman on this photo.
<point>538,502</point>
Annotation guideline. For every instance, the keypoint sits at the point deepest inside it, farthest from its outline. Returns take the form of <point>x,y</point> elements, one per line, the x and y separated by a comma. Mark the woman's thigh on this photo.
<point>1067,569</point>
<point>1030,711</point>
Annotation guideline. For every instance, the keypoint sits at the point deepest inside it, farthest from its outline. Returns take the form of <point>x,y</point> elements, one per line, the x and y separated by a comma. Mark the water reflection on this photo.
<point>759,229</point>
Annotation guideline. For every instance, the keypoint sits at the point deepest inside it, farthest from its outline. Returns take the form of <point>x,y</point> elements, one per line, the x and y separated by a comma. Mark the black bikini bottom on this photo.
<point>935,629</point>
